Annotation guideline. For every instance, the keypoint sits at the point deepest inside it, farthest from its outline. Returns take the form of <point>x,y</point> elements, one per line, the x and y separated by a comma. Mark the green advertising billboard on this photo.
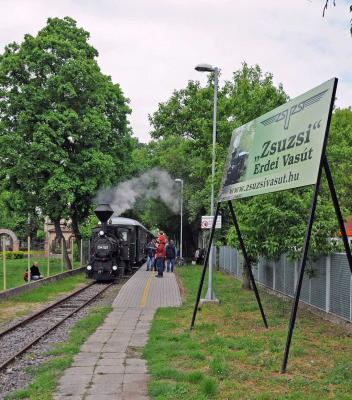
<point>281,149</point>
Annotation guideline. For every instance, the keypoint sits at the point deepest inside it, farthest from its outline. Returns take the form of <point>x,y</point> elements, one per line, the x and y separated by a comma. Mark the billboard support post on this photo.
<point>205,264</point>
<point>266,158</point>
<point>247,262</point>
<point>323,163</point>
<point>301,273</point>
<point>337,210</point>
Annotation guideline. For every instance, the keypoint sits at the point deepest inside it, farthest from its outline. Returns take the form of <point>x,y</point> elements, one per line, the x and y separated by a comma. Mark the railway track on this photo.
<point>20,337</point>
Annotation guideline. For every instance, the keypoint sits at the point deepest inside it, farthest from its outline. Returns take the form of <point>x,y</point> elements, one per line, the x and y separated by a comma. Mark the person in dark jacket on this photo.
<point>170,253</point>
<point>151,248</point>
<point>35,273</point>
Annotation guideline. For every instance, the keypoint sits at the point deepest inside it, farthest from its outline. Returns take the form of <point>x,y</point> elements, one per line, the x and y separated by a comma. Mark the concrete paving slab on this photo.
<point>108,367</point>
<point>111,362</point>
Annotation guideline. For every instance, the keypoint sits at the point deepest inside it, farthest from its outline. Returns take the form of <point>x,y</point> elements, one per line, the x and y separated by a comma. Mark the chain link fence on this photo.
<point>15,264</point>
<point>327,282</point>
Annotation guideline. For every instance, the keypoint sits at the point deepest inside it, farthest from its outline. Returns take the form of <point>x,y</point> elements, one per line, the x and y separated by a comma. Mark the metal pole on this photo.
<point>4,260</point>
<point>62,255</point>
<point>307,237</point>
<point>181,218</point>
<point>29,259</point>
<point>247,261</point>
<point>81,253</point>
<point>337,210</point>
<point>210,292</point>
<point>48,260</point>
<point>301,273</point>
<point>200,287</point>
<point>72,242</point>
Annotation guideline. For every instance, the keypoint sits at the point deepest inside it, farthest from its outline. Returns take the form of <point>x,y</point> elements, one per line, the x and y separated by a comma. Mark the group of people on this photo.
<point>161,255</point>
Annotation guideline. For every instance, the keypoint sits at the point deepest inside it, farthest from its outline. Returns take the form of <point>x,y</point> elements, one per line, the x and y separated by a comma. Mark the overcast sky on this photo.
<point>150,47</point>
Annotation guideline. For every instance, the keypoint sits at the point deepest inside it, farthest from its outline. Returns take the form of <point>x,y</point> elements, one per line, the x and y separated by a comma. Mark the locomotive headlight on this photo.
<point>89,267</point>
<point>101,233</point>
<point>114,267</point>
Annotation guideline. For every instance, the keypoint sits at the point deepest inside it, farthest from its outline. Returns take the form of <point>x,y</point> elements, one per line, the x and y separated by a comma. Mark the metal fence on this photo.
<point>50,259</point>
<point>327,282</point>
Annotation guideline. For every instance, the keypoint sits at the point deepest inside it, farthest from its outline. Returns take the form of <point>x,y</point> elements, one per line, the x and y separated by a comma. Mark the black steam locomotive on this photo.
<point>117,246</point>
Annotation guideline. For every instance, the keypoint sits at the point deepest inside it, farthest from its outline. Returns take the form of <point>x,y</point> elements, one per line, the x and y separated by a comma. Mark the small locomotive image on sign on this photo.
<point>281,149</point>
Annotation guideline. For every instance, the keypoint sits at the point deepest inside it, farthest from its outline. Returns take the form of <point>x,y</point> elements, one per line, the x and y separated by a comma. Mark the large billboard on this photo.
<point>281,149</point>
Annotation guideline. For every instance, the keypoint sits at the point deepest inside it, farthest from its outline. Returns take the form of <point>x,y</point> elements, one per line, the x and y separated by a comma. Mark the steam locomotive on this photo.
<point>117,246</point>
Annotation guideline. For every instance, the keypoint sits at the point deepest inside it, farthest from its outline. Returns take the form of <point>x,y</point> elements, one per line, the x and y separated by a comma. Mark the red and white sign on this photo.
<point>207,222</point>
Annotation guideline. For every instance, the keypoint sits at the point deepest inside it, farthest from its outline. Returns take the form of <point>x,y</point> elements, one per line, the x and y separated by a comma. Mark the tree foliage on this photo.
<point>273,223</point>
<point>64,129</point>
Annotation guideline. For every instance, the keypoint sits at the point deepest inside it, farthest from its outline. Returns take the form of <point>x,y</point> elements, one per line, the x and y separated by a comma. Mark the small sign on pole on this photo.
<point>207,222</point>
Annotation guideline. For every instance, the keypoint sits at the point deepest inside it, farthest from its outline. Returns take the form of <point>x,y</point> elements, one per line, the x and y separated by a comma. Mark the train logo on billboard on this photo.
<point>295,109</point>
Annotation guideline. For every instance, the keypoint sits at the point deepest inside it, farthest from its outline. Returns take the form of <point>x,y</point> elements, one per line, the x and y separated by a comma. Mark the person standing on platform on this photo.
<point>160,258</point>
<point>162,239</point>
<point>170,253</point>
<point>151,248</point>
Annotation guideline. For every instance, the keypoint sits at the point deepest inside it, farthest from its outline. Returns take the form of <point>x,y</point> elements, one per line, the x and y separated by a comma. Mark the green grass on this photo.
<point>49,291</point>
<point>46,376</point>
<point>15,270</point>
<point>230,355</point>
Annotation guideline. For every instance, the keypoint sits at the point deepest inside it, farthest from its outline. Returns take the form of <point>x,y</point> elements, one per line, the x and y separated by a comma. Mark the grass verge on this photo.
<point>46,376</point>
<point>15,270</point>
<point>230,355</point>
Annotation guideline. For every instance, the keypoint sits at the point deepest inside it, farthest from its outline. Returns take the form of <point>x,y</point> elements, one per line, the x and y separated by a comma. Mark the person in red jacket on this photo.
<point>160,257</point>
<point>162,237</point>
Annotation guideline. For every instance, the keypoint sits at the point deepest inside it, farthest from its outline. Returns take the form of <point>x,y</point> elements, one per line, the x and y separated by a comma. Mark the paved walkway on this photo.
<point>109,365</point>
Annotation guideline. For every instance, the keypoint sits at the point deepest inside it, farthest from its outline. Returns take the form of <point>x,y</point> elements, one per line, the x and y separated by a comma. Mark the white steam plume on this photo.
<point>153,184</point>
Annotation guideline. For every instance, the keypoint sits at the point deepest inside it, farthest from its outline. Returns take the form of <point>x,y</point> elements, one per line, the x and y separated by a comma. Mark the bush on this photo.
<point>17,254</point>
<point>13,255</point>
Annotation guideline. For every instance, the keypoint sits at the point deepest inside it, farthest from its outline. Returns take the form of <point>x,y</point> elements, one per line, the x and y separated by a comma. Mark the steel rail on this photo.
<point>44,310</point>
<point>24,349</point>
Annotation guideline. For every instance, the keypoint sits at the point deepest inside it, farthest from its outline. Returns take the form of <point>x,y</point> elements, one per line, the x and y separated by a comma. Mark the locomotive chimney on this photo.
<point>103,212</point>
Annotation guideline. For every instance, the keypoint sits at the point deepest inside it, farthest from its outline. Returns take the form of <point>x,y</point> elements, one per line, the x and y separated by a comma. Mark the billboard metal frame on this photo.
<point>324,164</point>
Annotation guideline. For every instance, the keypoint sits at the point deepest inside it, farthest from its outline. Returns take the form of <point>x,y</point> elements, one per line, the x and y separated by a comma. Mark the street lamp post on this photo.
<point>181,181</point>
<point>210,296</point>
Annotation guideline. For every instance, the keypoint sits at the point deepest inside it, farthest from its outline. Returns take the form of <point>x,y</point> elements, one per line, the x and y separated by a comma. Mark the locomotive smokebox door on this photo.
<point>103,212</point>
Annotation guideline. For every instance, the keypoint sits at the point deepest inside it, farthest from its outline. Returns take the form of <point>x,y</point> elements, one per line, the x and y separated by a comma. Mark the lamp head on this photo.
<point>204,68</point>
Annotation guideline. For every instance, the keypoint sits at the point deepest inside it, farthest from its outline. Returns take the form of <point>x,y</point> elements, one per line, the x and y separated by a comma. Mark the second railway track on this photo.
<point>17,339</point>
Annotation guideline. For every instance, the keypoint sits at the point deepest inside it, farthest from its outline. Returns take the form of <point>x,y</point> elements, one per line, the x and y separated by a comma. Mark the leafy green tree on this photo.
<point>63,124</point>
<point>182,129</point>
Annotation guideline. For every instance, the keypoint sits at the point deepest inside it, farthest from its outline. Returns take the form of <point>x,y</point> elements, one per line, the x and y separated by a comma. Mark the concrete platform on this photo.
<point>109,365</point>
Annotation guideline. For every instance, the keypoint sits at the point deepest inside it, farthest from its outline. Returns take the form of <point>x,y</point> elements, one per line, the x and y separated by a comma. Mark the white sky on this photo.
<point>151,47</point>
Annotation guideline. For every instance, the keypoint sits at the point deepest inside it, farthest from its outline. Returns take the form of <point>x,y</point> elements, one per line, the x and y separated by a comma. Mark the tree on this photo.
<point>64,130</point>
<point>271,224</point>
<point>182,130</point>
<point>326,5</point>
